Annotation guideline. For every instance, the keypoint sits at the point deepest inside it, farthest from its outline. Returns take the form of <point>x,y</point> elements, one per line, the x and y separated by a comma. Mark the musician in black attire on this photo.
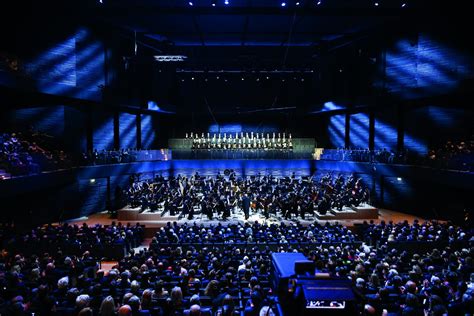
<point>246,205</point>
<point>205,209</point>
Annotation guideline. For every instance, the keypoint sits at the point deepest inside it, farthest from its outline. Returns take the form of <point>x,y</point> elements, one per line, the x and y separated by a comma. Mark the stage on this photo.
<point>362,212</point>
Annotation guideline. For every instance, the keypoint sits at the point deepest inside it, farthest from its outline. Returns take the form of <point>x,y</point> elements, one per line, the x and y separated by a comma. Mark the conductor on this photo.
<point>246,205</point>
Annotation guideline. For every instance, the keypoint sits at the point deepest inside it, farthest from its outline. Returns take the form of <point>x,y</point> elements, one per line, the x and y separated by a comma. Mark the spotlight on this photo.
<point>258,79</point>
<point>268,78</point>
<point>92,181</point>
<point>282,80</point>
<point>213,3</point>
<point>192,78</point>
<point>283,4</point>
<point>226,2</point>
<point>191,3</point>
<point>205,80</point>
<point>404,5</point>
<point>302,79</point>
<point>297,3</point>
<point>182,80</point>
<point>242,78</point>
<point>318,3</point>
<point>376,4</point>
<point>399,179</point>
<point>217,77</point>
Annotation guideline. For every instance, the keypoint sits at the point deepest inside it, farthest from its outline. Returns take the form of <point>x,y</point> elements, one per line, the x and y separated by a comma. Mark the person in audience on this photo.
<point>107,308</point>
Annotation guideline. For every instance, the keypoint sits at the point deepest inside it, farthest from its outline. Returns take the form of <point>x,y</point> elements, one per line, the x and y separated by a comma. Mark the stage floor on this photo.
<point>364,211</point>
<point>151,226</point>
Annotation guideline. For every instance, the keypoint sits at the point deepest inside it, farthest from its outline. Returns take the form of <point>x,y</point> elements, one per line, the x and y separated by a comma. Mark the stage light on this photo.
<point>283,4</point>
<point>169,58</point>
<point>192,78</point>
<point>404,5</point>
<point>191,3</point>
<point>268,78</point>
<point>242,78</point>
<point>376,4</point>
<point>182,80</point>
<point>213,3</point>
<point>318,3</point>
<point>258,79</point>
<point>92,181</point>
<point>226,2</point>
<point>297,3</point>
<point>217,77</point>
<point>399,179</point>
<point>302,79</point>
<point>205,79</point>
<point>282,80</point>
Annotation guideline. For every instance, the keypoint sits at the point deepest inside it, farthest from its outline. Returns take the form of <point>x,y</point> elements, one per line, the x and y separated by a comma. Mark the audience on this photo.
<point>453,154</point>
<point>29,153</point>
<point>203,278</point>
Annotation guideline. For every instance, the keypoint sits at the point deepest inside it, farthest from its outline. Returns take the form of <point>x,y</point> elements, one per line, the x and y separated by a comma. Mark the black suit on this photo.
<point>246,206</point>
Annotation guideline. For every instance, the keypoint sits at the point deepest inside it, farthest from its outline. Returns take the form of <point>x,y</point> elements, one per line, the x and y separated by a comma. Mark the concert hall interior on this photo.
<point>236,157</point>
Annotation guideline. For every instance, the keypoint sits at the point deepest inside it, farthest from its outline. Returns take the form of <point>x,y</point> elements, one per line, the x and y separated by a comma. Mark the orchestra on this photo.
<point>222,195</point>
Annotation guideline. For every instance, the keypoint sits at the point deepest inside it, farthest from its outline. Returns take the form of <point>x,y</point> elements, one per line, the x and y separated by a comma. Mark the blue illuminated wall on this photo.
<point>337,130</point>
<point>386,133</point>
<point>423,64</point>
<point>240,127</point>
<point>72,66</point>
<point>56,65</point>
<point>90,60</point>
<point>128,130</point>
<point>431,126</point>
<point>49,120</point>
<point>147,131</point>
<point>103,134</point>
<point>359,130</point>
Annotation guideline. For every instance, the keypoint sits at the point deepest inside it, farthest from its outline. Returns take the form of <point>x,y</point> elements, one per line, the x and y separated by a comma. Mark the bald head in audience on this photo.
<point>125,310</point>
<point>195,310</point>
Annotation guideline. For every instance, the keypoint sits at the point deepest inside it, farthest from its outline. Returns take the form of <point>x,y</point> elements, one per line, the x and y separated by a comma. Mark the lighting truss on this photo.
<point>170,58</point>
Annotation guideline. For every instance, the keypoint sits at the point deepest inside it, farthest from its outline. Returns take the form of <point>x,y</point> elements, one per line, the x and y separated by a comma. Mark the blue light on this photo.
<point>336,129</point>
<point>190,3</point>
<point>283,4</point>
<point>226,2</point>
<point>330,106</point>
